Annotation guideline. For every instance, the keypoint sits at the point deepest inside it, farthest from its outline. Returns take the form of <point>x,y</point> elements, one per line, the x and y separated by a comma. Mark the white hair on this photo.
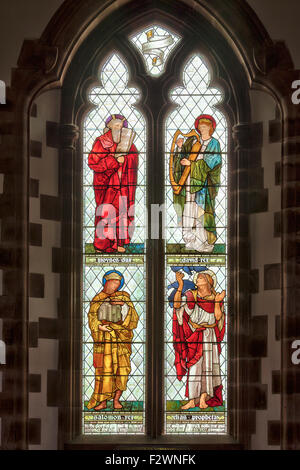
<point>111,123</point>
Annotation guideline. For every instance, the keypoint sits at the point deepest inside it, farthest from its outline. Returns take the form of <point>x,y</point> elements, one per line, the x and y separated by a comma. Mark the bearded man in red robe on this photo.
<point>115,180</point>
<point>198,329</point>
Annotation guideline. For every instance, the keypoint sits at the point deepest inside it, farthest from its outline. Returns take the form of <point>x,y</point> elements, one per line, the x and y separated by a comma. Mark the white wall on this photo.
<point>265,250</point>
<point>44,357</point>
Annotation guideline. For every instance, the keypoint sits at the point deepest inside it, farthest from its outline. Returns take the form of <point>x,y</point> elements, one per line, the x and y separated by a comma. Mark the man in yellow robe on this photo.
<point>112,341</point>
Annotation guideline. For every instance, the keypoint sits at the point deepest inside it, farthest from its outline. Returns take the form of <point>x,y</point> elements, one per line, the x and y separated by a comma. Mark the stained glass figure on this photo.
<point>195,348</point>
<point>114,160</point>
<point>112,319</point>
<point>198,328</point>
<point>201,227</point>
<point>113,363</point>
<point>155,43</point>
<point>114,97</point>
<point>195,177</point>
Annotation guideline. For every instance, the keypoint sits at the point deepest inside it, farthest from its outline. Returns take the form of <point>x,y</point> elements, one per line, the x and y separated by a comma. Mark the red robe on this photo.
<point>114,186</point>
<point>188,343</point>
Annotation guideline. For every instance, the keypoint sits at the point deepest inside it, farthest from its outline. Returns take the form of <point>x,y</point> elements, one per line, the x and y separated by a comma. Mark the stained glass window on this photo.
<point>114,257</point>
<point>196,259</point>
<point>115,254</point>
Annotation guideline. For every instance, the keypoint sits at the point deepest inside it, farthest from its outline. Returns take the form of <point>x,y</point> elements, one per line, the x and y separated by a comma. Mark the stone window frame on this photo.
<point>74,103</point>
<point>231,31</point>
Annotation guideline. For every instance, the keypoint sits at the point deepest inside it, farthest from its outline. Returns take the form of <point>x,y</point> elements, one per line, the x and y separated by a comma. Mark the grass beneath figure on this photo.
<point>132,248</point>
<point>179,248</point>
<point>175,406</point>
<point>129,406</point>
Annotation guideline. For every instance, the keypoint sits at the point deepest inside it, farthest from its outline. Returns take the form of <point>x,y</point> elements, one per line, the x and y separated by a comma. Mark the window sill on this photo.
<point>146,443</point>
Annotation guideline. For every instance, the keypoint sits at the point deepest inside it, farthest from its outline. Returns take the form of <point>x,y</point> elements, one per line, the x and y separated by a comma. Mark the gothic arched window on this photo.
<point>183,352</point>
<point>154,243</point>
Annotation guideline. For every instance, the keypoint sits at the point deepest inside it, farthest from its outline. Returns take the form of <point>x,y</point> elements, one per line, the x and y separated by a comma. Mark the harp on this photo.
<point>177,187</point>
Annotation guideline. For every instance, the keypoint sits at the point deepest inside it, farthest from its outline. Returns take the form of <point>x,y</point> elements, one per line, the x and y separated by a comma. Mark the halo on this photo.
<point>206,116</point>
<point>119,117</point>
<point>207,271</point>
<point>117,272</point>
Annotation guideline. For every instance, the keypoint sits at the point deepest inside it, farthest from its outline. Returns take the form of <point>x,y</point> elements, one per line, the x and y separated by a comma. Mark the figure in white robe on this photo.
<point>198,329</point>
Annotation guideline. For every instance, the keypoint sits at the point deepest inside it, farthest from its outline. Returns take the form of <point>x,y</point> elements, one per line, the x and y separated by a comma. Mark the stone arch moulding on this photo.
<point>46,63</point>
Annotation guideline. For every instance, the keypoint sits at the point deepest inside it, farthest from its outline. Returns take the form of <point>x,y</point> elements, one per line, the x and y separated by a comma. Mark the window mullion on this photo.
<point>155,266</point>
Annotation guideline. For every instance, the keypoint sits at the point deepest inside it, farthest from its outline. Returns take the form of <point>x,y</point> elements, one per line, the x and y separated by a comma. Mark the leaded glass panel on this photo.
<point>196,258</point>
<point>113,373</point>
<point>114,251</point>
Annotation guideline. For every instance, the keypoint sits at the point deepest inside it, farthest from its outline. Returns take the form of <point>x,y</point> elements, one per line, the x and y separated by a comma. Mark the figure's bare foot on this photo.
<point>188,405</point>
<point>121,249</point>
<point>202,403</point>
<point>117,405</point>
<point>101,406</point>
<point>98,251</point>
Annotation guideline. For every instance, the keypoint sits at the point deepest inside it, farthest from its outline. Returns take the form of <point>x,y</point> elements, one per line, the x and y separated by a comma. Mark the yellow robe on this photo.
<point>112,349</point>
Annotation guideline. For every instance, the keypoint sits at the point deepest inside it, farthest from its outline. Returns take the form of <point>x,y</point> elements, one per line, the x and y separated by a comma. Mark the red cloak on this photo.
<point>114,186</point>
<point>188,344</point>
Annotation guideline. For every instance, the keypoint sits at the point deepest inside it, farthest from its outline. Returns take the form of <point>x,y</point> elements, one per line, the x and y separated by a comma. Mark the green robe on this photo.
<point>204,181</point>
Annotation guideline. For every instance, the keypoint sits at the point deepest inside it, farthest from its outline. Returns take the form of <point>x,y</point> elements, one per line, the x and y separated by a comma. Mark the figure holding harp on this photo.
<point>195,168</point>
